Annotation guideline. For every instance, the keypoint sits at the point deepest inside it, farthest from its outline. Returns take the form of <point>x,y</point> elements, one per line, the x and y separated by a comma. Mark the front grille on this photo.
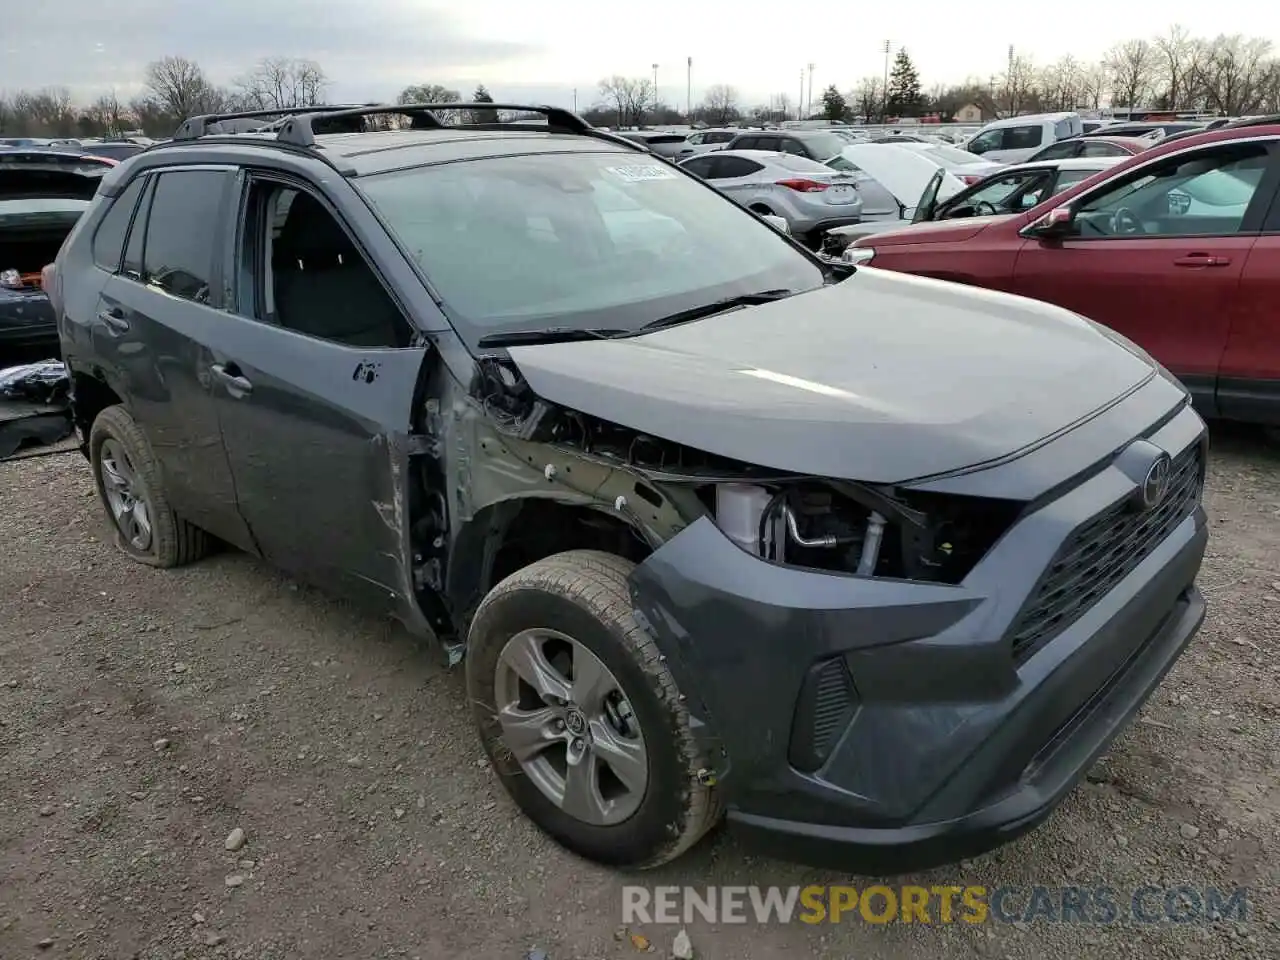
<point>1101,553</point>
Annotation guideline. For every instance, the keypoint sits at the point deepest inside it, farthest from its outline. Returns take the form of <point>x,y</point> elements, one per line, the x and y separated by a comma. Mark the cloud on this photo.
<point>381,44</point>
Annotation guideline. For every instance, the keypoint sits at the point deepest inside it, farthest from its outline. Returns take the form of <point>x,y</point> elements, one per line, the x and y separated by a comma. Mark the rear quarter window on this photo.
<point>1022,138</point>
<point>108,239</point>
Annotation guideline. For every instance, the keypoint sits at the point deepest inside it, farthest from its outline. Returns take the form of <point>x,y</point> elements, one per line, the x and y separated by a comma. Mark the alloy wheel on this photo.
<point>567,722</point>
<point>125,495</point>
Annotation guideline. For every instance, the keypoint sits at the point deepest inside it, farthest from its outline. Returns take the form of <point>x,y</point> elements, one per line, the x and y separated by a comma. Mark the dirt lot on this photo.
<point>145,715</point>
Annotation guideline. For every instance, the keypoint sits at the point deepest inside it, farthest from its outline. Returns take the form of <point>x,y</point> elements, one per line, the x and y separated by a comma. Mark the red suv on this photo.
<point>1176,248</point>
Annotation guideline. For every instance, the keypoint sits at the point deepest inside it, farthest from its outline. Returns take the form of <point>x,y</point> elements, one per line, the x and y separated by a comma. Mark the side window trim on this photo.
<point>254,176</point>
<point>138,224</point>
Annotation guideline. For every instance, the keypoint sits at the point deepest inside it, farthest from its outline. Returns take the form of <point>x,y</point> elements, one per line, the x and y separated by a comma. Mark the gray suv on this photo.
<point>719,527</point>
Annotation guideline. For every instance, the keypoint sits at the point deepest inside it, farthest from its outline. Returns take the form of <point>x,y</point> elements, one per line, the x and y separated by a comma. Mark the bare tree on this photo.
<point>48,111</point>
<point>1133,68</point>
<point>783,100</point>
<point>1093,86</point>
<point>629,97</point>
<point>867,98</point>
<point>106,115</point>
<point>1020,90</point>
<point>283,82</point>
<point>1234,74</point>
<point>428,93</point>
<point>178,89</point>
<point>1178,55</point>
<point>720,105</point>
<point>1060,84</point>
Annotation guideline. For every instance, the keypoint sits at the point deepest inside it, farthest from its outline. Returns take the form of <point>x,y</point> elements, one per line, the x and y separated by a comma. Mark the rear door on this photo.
<point>1249,377</point>
<point>151,335</point>
<point>314,372</point>
<point>1159,255</point>
<point>737,177</point>
<point>1019,143</point>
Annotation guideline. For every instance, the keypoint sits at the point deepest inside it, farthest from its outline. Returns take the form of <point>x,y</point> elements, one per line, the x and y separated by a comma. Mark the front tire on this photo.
<point>130,487</point>
<point>581,717</point>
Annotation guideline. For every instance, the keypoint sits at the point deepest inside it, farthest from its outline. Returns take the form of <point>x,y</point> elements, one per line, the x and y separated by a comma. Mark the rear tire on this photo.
<point>579,601</point>
<point>130,488</point>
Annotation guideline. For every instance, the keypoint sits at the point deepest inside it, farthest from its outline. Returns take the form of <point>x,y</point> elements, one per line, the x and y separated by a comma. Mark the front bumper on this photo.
<point>946,744</point>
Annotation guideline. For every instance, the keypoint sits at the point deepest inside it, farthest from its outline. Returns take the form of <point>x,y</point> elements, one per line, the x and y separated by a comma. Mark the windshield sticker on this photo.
<point>641,172</point>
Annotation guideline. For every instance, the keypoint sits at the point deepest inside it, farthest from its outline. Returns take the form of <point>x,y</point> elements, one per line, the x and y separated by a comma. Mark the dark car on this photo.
<point>717,525</point>
<point>1089,146</point>
<point>42,195</point>
<point>820,145</point>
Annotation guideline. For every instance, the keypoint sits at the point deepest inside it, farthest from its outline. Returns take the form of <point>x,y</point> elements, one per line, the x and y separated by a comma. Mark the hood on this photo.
<point>904,173</point>
<point>883,378</point>
<point>937,231</point>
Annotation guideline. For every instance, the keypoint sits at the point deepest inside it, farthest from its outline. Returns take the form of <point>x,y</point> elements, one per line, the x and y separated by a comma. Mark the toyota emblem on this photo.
<point>1156,483</point>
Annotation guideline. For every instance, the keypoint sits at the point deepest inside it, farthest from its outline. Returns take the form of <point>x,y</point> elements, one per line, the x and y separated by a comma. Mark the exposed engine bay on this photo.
<point>817,523</point>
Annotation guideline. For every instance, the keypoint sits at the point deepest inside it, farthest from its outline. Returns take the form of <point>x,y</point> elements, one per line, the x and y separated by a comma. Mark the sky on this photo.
<point>543,51</point>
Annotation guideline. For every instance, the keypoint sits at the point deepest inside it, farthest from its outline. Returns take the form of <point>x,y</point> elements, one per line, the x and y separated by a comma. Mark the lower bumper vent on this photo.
<point>825,707</point>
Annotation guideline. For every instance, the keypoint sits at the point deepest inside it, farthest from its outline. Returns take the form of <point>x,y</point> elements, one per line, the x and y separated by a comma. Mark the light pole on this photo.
<point>884,110</point>
<point>800,102</point>
<point>575,99</point>
<point>1008,80</point>
<point>688,93</point>
<point>655,91</point>
<point>809,107</point>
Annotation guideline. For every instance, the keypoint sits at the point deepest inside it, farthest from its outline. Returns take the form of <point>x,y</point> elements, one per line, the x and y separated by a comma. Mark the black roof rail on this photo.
<point>195,127</point>
<point>297,129</point>
<point>1265,121</point>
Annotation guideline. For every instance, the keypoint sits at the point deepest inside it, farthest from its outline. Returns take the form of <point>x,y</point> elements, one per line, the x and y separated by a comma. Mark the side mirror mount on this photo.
<point>778,223</point>
<point>1058,223</point>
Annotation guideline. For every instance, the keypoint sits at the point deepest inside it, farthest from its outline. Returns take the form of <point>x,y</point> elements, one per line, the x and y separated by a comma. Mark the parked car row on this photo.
<point>1176,248</point>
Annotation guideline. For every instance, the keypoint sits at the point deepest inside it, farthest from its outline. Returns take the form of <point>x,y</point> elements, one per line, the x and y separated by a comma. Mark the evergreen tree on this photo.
<point>482,95</point>
<point>833,105</point>
<point>904,87</point>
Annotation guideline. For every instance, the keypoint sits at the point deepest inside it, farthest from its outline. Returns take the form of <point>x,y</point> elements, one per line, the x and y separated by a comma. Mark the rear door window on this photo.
<point>108,241</point>
<point>700,167</point>
<point>182,233</point>
<point>1060,151</point>
<point>1022,138</point>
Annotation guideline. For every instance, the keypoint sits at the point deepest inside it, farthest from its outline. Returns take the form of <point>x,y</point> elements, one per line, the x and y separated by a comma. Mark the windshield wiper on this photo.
<point>717,306</point>
<point>515,338</point>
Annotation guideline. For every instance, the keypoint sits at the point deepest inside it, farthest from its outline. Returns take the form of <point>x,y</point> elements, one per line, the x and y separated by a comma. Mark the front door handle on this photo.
<point>114,319</point>
<point>230,377</point>
<point>1202,260</point>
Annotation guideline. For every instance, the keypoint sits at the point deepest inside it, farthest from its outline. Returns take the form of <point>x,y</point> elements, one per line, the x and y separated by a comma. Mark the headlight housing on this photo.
<point>858,254</point>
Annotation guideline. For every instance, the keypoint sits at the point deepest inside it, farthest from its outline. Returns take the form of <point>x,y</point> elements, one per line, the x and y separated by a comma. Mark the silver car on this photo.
<point>809,196</point>
<point>704,141</point>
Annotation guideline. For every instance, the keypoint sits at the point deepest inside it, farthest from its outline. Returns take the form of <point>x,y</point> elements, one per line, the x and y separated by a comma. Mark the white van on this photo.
<point>1015,139</point>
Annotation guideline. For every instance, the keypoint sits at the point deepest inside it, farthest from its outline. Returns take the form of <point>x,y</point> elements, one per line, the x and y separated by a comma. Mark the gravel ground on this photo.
<point>146,715</point>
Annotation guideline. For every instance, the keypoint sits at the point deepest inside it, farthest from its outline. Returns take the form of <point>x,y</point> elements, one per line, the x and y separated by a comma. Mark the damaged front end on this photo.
<point>650,499</point>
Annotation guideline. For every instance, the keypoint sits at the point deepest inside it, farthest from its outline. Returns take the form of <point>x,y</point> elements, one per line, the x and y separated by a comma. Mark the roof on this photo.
<point>426,141</point>
<point>1067,163</point>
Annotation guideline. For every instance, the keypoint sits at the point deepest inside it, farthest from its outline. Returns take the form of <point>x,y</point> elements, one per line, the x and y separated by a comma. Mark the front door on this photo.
<point>1158,255</point>
<point>155,317</point>
<point>315,381</point>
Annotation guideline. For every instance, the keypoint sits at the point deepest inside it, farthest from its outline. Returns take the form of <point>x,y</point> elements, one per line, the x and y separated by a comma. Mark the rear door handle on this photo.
<point>230,377</point>
<point>1201,260</point>
<point>115,319</point>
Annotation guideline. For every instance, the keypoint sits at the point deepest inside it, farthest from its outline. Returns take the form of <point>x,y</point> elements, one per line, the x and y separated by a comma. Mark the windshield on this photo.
<point>824,144</point>
<point>953,156</point>
<point>579,240</point>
